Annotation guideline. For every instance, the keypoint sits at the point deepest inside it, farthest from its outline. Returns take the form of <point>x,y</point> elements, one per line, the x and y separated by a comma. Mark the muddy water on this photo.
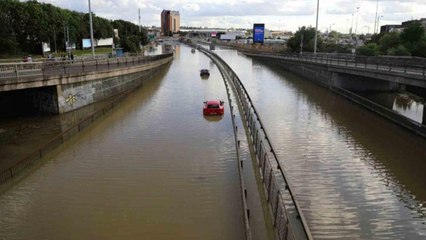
<point>356,175</point>
<point>153,168</point>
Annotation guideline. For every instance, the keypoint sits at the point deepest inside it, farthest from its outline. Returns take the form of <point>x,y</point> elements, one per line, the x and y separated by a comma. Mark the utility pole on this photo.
<point>316,32</point>
<point>356,24</point>
<point>375,18</point>
<point>301,44</point>
<point>91,31</point>
<point>139,11</point>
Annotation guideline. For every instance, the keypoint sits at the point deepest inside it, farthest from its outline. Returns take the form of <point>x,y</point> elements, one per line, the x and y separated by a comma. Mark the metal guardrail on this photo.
<point>274,177</point>
<point>10,71</point>
<point>414,66</point>
<point>243,189</point>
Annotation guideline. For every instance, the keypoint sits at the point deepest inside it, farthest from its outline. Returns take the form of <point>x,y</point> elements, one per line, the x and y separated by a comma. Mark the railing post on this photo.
<point>16,71</point>
<point>276,207</point>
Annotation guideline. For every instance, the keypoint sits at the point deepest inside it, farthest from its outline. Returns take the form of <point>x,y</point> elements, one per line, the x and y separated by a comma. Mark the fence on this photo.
<point>411,65</point>
<point>48,68</point>
<point>274,178</point>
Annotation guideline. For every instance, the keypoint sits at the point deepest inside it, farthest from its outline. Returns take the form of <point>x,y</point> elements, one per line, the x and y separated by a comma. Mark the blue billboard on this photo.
<point>258,32</point>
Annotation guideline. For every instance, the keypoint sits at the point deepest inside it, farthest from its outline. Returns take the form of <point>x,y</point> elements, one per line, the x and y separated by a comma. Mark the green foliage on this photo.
<point>413,33</point>
<point>375,38</point>
<point>335,48</point>
<point>26,25</point>
<point>400,50</point>
<point>371,49</point>
<point>388,41</point>
<point>413,38</point>
<point>308,34</point>
<point>420,51</point>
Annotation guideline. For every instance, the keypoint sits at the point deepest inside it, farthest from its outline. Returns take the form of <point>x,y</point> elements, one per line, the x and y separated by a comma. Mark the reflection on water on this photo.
<point>213,118</point>
<point>356,175</point>
<point>154,168</point>
<point>405,104</point>
<point>409,107</point>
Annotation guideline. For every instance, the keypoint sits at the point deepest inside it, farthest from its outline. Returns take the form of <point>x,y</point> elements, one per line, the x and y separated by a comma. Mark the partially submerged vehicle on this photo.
<point>214,107</point>
<point>204,72</point>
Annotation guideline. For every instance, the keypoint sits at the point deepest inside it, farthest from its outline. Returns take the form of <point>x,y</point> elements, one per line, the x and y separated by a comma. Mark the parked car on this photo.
<point>214,107</point>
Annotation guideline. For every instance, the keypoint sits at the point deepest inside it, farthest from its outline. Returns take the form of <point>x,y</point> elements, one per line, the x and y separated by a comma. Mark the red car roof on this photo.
<point>213,102</point>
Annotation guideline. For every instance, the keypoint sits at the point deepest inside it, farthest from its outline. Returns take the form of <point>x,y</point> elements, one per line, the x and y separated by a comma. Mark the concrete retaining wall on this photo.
<point>78,90</point>
<point>324,76</point>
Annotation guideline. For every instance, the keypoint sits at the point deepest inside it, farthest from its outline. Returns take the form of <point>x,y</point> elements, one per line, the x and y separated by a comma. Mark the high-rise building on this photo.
<point>170,22</point>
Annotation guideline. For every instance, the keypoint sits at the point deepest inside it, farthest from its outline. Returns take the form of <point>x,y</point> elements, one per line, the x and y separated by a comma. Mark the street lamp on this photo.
<point>352,24</point>
<point>375,18</point>
<point>91,32</point>
<point>329,29</point>
<point>316,30</point>
<point>378,23</point>
<point>356,24</point>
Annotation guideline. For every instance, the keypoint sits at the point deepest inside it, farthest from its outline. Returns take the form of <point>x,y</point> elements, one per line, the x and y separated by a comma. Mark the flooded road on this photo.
<point>153,168</point>
<point>356,175</point>
<point>156,168</point>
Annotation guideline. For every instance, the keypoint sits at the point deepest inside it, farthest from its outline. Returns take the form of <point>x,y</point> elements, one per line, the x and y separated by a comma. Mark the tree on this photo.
<point>26,25</point>
<point>413,33</point>
<point>308,34</point>
<point>371,49</point>
<point>388,41</point>
<point>413,37</point>
<point>400,50</point>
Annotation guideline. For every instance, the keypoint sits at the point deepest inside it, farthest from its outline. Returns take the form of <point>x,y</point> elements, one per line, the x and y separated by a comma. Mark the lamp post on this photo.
<point>91,31</point>
<point>347,24</point>
<point>378,23</point>
<point>375,18</point>
<point>356,24</point>
<point>352,24</point>
<point>316,30</point>
<point>329,29</point>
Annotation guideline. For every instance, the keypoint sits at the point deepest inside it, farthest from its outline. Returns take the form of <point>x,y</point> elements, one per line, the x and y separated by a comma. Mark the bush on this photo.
<point>371,49</point>
<point>398,51</point>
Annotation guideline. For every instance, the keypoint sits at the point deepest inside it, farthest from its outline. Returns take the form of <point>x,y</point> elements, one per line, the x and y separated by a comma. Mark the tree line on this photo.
<point>24,26</point>
<point>410,42</point>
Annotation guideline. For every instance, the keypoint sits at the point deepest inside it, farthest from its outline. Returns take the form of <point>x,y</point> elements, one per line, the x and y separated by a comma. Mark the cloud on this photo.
<point>277,14</point>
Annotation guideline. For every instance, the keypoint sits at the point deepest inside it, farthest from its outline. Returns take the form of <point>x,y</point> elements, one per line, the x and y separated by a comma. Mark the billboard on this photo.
<point>45,46</point>
<point>258,32</point>
<point>87,43</point>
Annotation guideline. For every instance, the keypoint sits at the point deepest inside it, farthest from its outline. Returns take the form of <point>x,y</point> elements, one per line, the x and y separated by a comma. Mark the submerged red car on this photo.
<point>214,107</point>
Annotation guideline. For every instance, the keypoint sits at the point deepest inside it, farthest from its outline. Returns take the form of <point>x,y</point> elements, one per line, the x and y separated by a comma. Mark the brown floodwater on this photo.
<point>153,168</point>
<point>356,175</point>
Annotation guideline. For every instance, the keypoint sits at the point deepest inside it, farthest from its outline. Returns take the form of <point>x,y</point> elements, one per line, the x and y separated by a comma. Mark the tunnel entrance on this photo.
<point>27,102</point>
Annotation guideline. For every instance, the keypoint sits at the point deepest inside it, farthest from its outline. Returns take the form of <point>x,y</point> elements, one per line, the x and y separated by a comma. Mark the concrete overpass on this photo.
<point>59,87</point>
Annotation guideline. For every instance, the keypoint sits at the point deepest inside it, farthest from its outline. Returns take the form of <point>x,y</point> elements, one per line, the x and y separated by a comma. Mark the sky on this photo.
<point>284,15</point>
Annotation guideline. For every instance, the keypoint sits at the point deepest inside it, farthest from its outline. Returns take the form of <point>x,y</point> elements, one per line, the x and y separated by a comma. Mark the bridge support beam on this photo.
<point>424,116</point>
<point>357,83</point>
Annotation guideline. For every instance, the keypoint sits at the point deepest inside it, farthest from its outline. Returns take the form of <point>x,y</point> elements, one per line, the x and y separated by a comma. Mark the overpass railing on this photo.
<point>406,65</point>
<point>49,68</point>
<point>288,218</point>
